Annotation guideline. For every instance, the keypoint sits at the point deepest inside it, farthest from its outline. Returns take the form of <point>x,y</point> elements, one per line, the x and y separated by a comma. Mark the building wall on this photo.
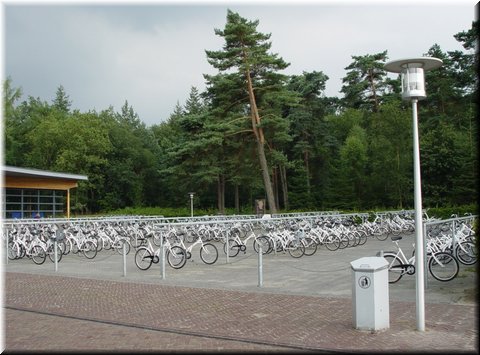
<point>34,203</point>
<point>33,197</point>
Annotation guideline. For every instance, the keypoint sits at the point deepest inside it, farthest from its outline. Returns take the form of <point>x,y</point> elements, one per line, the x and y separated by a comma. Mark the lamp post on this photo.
<point>413,89</point>
<point>191,203</point>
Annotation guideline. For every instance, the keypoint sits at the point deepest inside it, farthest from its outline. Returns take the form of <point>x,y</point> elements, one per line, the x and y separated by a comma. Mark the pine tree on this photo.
<point>246,50</point>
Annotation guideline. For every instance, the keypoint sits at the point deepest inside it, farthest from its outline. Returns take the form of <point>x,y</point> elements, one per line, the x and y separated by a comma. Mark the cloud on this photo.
<point>101,62</point>
<point>152,55</point>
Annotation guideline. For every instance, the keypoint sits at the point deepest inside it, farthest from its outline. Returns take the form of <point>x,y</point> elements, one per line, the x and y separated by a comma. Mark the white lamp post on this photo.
<point>413,88</point>
<point>191,203</point>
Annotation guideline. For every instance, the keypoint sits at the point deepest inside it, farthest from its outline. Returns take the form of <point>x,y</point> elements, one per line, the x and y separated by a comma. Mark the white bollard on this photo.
<point>162,258</point>
<point>260,265</point>
<point>227,248</point>
<point>124,259</point>
<point>6,243</point>
<point>55,254</point>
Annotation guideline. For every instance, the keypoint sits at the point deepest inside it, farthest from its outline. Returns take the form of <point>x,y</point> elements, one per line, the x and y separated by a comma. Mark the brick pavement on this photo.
<point>86,314</point>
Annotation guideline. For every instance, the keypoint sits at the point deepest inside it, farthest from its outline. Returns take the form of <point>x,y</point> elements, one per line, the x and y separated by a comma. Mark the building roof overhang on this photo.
<point>37,173</point>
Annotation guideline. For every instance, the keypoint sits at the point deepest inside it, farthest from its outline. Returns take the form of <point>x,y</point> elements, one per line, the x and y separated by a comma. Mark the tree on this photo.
<point>308,127</point>
<point>246,50</point>
<point>353,160</point>
<point>10,96</point>
<point>129,117</point>
<point>466,64</point>
<point>61,101</point>
<point>338,184</point>
<point>390,156</point>
<point>441,163</point>
<point>366,82</point>
<point>167,135</point>
<point>11,121</point>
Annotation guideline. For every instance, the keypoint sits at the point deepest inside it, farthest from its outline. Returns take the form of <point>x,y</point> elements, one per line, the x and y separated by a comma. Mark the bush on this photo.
<point>450,212</point>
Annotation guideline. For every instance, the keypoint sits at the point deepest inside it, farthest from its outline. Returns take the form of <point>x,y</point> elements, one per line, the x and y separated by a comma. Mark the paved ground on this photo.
<point>304,304</point>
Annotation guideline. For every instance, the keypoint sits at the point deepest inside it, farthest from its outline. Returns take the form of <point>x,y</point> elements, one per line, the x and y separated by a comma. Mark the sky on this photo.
<point>151,53</point>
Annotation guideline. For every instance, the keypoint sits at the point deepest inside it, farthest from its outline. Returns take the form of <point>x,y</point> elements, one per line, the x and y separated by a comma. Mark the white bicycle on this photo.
<point>145,256</point>
<point>208,251</point>
<point>442,265</point>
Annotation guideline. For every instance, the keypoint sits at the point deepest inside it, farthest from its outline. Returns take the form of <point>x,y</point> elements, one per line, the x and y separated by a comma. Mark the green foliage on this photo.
<point>253,125</point>
<point>366,82</point>
<point>447,212</point>
<point>170,212</point>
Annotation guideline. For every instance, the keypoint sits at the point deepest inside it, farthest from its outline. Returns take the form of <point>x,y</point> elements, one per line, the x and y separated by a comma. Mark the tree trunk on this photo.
<point>307,171</point>
<point>221,194</point>
<point>275,186</point>
<point>260,139</point>
<point>237,199</point>
<point>374,91</point>
<point>283,180</point>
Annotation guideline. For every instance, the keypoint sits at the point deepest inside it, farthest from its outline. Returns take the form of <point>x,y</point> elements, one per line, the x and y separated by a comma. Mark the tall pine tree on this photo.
<point>246,50</point>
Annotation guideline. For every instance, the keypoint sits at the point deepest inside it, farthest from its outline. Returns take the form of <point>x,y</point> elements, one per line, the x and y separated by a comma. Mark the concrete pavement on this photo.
<point>305,304</point>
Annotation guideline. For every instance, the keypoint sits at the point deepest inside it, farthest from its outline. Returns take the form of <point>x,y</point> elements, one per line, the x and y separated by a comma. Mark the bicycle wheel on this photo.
<point>67,247</point>
<point>310,246</point>
<point>89,249</point>
<point>209,253</point>
<point>156,239</point>
<point>443,266</point>
<point>38,255</point>
<point>233,248</point>
<point>395,268</point>
<point>62,245</point>
<point>362,237</point>
<point>99,245</point>
<point>176,257</point>
<point>22,251</point>
<point>262,241</point>
<point>396,231</point>
<point>466,253</point>
<point>332,243</point>
<point>51,253</point>
<point>107,244</point>
<point>118,246</point>
<point>13,251</point>
<point>137,242</point>
<point>344,241</point>
<point>190,238</point>
<point>355,239</point>
<point>295,248</point>
<point>75,249</point>
<point>381,233</point>
<point>143,258</point>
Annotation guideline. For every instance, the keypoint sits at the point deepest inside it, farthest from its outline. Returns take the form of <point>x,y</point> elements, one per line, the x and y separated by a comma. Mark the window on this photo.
<point>27,203</point>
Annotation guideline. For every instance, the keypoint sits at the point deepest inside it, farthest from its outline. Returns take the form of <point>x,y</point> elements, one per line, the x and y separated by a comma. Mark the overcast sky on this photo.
<point>152,54</point>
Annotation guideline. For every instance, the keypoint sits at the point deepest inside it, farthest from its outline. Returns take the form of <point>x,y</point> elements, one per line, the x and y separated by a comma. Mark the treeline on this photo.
<point>255,133</point>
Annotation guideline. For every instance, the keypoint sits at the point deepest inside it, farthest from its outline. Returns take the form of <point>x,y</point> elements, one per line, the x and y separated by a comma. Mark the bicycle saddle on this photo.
<point>396,237</point>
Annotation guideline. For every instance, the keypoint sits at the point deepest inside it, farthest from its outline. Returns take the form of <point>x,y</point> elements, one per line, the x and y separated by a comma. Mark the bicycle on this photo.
<point>236,244</point>
<point>322,236</point>
<point>208,251</point>
<point>81,243</point>
<point>442,265</point>
<point>145,256</point>
<point>33,248</point>
<point>286,241</point>
<point>466,249</point>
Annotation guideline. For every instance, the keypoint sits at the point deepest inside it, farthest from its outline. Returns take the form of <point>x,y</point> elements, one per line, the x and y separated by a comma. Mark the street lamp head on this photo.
<point>412,69</point>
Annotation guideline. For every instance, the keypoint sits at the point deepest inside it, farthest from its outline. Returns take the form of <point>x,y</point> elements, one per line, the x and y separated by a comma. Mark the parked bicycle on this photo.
<point>145,256</point>
<point>442,265</point>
